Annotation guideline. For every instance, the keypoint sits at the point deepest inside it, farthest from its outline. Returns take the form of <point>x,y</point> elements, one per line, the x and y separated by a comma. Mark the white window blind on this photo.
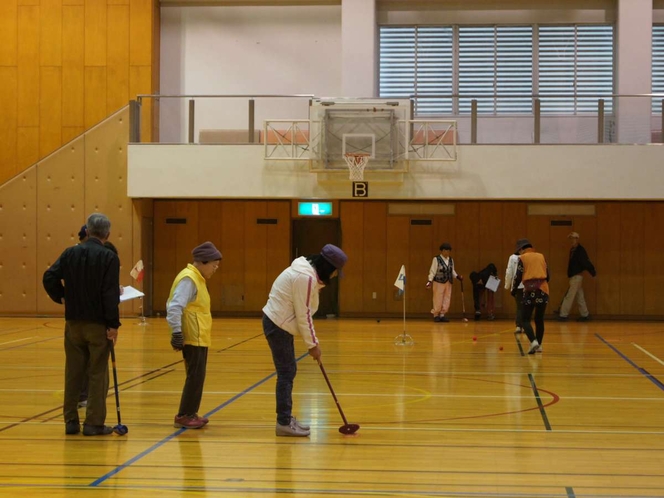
<point>496,69</point>
<point>575,68</point>
<point>657,66</point>
<point>417,61</point>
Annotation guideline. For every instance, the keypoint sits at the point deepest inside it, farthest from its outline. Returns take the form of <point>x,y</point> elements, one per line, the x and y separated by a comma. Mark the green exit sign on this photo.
<point>314,208</point>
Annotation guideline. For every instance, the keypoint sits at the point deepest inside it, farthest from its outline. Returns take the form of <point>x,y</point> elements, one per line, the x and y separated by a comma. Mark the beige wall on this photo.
<point>42,209</point>
<point>65,65</point>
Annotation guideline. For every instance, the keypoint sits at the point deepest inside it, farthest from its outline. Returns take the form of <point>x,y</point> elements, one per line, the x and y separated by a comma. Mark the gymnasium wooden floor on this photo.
<point>448,416</point>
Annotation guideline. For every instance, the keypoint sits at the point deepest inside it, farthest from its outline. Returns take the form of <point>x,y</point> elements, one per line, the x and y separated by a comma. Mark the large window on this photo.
<point>657,66</point>
<point>575,68</point>
<point>496,69</point>
<point>417,61</point>
<point>570,67</point>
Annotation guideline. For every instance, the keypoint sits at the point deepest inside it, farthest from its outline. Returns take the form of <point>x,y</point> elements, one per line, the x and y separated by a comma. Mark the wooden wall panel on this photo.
<point>352,241</point>
<point>586,227</point>
<point>375,257</point>
<point>609,259</point>
<point>50,19</point>
<point>95,32</point>
<point>95,95</point>
<point>398,249</point>
<point>71,132</point>
<point>278,241</point>
<point>632,269</point>
<point>50,110</point>
<point>8,33</point>
<point>61,207</point>
<point>118,58</point>
<point>27,147</point>
<point>515,227</point>
<point>466,251</point>
<point>654,260</point>
<point>8,123</point>
<point>421,241</point>
<point>209,228</point>
<point>164,253</point>
<point>233,242</point>
<point>558,258</point>
<point>490,242</point>
<point>19,274</point>
<point>28,66</point>
<point>255,256</point>
<point>73,72</point>
<point>141,32</point>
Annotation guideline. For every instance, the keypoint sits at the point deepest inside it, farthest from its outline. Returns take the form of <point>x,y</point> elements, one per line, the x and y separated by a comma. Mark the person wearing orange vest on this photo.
<point>189,317</point>
<point>533,271</point>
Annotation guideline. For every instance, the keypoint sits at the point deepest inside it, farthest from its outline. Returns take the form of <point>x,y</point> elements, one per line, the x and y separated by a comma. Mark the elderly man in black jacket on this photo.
<point>86,279</point>
<point>578,263</point>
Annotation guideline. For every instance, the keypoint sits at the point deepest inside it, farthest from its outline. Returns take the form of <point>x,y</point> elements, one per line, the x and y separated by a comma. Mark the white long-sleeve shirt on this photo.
<point>184,293</point>
<point>510,272</point>
<point>293,300</point>
<point>434,267</point>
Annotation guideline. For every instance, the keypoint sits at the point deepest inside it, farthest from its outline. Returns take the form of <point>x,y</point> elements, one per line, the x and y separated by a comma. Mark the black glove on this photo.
<point>177,341</point>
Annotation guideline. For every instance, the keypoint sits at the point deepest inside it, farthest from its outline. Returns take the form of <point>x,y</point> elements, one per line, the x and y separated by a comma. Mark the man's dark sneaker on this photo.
<point>443,319</point>
<point>583,318</point>
<point>97,430</point>
<point>478,315</point>
<point>436,319</point>
<point>562,318</point>
<point>72,427</point>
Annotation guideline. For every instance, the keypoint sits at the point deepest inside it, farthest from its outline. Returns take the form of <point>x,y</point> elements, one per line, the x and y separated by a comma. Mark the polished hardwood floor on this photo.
<point>449,416</point>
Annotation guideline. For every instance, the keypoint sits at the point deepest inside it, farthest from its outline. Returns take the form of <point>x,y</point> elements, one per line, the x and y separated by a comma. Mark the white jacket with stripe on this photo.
<point>293,300</point>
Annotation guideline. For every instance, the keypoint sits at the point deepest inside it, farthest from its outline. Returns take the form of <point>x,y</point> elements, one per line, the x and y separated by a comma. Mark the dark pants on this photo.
<point>539,310</point>
<point>86,350</point>
<point>519,308</point>
<point>282,345</point>
<point>195,364</point>
<point>479,292</point>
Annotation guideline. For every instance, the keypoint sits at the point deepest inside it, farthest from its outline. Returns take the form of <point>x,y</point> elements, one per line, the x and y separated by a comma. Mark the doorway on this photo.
<point>309,237</point>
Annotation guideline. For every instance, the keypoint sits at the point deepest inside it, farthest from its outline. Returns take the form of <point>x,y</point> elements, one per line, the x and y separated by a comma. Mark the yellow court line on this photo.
<point>16,340</point>
<point>649,354</point>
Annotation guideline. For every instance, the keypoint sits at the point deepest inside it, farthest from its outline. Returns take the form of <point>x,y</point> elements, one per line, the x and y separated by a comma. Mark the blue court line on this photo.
<point>129,462</point>
<point>643,371</point>
<point>570,492</point>
<point>539,402</point>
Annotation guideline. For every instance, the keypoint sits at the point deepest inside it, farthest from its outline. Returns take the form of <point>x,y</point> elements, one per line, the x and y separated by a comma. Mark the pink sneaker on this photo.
<point>187,422</point>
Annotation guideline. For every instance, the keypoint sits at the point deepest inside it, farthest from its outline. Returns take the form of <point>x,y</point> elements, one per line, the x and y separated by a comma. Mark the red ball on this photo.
<point>474,338</point>
<point>501,348</point>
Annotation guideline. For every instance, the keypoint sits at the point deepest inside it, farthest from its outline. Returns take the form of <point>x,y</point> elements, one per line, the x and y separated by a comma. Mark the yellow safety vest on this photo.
<point>196,316</point>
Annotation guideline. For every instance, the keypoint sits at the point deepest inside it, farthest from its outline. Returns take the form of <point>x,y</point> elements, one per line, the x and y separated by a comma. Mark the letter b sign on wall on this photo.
<point>360,189</point>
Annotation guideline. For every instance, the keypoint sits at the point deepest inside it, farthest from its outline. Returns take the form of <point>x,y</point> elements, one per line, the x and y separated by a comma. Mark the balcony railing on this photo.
<point>239,119</point>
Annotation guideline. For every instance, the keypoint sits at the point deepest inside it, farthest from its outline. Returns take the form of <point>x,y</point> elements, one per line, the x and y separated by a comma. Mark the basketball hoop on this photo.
<point>356,163</point>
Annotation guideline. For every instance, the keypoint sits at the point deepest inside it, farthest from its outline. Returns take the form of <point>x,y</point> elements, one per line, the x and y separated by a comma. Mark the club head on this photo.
<point>121,430</point>
<point>349,429</point>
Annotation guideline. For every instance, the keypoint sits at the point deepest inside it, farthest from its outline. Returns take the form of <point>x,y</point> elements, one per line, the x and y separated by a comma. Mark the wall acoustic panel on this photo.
<point>60,209</point>
<point>18,272</point>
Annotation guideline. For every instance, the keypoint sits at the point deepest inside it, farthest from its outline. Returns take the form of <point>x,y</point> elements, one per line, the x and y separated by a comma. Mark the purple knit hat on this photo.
<point>206,252</point>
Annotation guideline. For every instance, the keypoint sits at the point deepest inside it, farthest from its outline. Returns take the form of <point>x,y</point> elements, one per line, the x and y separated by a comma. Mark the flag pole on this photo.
<point>404,339</point>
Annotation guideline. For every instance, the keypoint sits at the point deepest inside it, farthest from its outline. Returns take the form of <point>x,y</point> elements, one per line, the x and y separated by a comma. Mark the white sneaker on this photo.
<point>292,430</point>
<point>539,349</point>
<point>533,347</point>
<point>518,331</point>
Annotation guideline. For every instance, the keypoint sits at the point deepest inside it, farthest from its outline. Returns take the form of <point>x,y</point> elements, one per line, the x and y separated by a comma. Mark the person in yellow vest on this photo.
<point>533,271</point>
<point>189,317</point>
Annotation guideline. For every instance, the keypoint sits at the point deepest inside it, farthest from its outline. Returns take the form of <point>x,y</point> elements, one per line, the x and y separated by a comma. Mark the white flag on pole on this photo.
<point>400,282</point>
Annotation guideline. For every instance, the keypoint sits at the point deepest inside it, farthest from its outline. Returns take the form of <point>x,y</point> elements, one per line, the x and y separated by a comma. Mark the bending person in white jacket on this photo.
<point>289,311</point>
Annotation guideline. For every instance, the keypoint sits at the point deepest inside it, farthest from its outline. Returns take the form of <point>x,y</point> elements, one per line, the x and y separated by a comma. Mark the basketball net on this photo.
<point>356,163</point>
